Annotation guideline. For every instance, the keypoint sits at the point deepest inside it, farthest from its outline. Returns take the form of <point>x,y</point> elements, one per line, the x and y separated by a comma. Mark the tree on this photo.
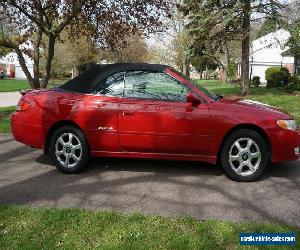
<point>5,28</point>
<point>180,47</point>
<point>133,49</point>
<point>293,42</point>
<point>291,22</point>
<point>203,63</point>
<point>108,21</point>
<point>172,45</point>
<point>216,23</point>
<point>70,54</point>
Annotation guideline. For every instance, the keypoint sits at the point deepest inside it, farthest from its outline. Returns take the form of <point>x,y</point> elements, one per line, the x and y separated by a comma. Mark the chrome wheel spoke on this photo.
<point>67,161</point>
<point>240,168</point>
<point>251,167</point>
<point>78,146</point>
<point>238,146</point>
<point>76,159</point>
<point>61,141</point>
<point>249,144</point>
<point>255,155</point>
<point>58,153</point>
<point>234,158</point>
<point>70,138</point>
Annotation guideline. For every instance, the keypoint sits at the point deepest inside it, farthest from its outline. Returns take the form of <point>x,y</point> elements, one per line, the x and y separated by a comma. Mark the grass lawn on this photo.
<point>40,228</point>
<point>11,85</point>
<point>287,102</point>
<point>5,114</point>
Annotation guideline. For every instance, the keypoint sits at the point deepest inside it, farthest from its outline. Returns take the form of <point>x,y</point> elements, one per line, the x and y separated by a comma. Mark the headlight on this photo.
<point>287,124</point>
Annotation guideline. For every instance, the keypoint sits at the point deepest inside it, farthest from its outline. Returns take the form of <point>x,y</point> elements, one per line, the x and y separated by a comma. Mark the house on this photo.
<point>270,51</point>
<point>11,66</point>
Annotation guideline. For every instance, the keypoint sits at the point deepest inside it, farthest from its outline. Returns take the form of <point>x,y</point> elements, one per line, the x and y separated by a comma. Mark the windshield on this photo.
<point>205,91</point>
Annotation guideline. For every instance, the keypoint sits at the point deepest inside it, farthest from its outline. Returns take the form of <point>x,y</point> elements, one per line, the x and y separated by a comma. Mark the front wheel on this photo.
<point>244,155</point>
<point>69,149</point>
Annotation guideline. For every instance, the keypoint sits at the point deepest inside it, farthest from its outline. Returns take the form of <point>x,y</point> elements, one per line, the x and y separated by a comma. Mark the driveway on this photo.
<point>9,99</point>
<point>27,177</point>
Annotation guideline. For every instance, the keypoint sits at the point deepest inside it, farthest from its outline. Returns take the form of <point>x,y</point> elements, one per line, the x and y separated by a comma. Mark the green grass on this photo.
<point>11,85</point>
<point>40,228</point>
<point>289,103</point>
<point>5,114</point>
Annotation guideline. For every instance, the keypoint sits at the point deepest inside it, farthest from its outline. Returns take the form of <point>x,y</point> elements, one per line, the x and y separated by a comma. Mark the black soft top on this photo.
<point>88,80</point>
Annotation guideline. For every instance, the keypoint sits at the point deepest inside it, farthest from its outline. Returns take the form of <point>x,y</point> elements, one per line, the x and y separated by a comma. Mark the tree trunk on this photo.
<point>225,74</point>
<point>186,64</point>
<point>49,57</point>
<point>188,70</point>
<point>24,67</point>
<point>245,49</point>
<point>36,60</point>
<point>226,63</point>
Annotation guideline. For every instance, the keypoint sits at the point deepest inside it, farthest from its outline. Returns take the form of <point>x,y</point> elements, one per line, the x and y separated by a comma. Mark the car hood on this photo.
<point>255,106</point>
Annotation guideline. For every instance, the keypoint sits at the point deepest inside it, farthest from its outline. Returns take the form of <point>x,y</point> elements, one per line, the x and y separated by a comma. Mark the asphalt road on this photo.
<point>27,177</point>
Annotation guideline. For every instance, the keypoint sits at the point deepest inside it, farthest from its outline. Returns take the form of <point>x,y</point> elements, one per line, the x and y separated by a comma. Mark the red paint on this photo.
<point>128,127</point>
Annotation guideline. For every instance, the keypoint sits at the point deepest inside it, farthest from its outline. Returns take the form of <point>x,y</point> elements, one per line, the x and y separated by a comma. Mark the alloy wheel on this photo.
<point>68,150</point>
<point>244,156</point>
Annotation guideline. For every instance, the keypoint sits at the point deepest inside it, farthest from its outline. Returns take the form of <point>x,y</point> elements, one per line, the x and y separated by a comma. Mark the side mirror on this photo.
<point>193,99</point>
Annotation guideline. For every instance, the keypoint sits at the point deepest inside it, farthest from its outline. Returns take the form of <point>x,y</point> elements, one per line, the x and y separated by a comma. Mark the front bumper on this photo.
<point>285,145</point>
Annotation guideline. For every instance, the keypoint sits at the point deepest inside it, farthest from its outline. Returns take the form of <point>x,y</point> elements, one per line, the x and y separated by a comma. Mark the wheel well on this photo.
<point>257,129</point>
<point>54,127</point>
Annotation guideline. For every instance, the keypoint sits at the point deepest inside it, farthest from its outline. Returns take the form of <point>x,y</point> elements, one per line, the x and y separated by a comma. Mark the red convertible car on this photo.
<point>152,111</point>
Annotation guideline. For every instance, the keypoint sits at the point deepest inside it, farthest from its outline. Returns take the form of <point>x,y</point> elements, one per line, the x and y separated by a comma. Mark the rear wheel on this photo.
<point>244,155</point>
<point>69,149</point>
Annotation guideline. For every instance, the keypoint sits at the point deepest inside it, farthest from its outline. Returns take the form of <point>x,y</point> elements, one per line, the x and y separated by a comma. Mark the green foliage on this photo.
<point>255,81</point>
<point>202,63</point>
<point>294,40</point>
<point>269,25</point>
<point>5,114</point>
<point>231,70</point>
<point>277,76</point>
<point>294,85</point>
<point>294,80</point>
<point>213,24</point>
<point>4,51</point>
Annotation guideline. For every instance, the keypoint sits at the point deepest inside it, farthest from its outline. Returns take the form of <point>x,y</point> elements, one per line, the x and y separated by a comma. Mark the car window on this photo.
<point>111,86</point>
<point>154,85</point>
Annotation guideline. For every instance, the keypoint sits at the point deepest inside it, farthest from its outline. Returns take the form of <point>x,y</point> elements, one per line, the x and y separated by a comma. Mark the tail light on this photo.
<point>22,106</point>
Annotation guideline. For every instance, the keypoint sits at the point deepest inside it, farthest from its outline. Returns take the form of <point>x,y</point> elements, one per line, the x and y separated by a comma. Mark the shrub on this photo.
<point>231,70</point>
<point>255,81</point>
<point>277,77</point>
<point>294,80</point>
<point>294,85</point>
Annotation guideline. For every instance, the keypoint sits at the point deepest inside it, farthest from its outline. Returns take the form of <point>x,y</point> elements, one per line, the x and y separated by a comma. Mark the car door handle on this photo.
<point>125,113</point>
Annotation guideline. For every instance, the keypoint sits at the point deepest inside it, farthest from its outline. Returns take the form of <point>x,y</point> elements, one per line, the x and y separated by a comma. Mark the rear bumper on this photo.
<point>285,144</point>
<point>27,133</point>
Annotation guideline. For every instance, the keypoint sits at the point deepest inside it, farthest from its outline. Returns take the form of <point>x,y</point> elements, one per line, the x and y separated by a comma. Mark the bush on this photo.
<point>277,77</point>
<point>232,70</point>
<point>255,81</point>
<point>294,85</point>
<point>295,80</point>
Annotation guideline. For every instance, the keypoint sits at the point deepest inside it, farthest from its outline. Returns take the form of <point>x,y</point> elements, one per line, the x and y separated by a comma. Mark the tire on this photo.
<point>70,143</point>
<point>244,156</point>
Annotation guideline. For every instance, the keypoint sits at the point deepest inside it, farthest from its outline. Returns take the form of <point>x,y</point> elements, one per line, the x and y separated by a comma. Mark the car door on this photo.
<point>155,117</point>
<point>101,118</point>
